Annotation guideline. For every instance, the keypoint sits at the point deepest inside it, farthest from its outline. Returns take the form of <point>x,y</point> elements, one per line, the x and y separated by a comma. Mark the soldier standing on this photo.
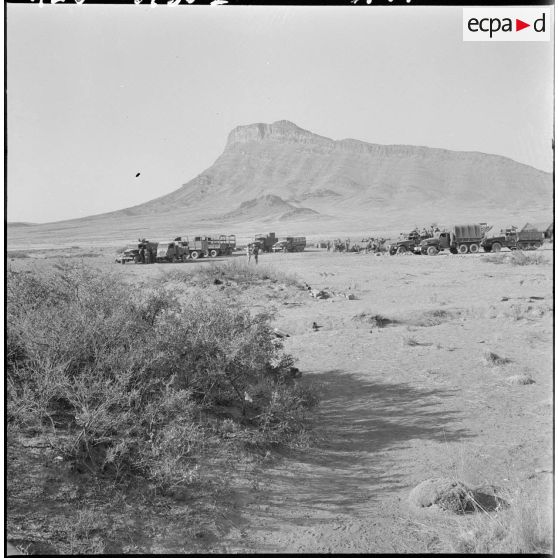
<point>142,254</point>
<point>256,251</point>
<point>148,255</point>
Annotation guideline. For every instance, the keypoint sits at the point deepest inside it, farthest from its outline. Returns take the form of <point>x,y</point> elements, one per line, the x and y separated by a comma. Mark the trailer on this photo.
<point>460,239</point>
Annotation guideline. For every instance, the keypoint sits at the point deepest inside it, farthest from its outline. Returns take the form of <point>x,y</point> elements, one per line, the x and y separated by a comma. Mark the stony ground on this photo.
<point>408,390</point>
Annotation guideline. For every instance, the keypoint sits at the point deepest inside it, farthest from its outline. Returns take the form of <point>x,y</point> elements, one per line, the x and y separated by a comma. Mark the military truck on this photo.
<point>513,239</point>
<point>408,243</point>
<point>460,239</point>
<point>171,251</point>
<point>132,252</point>
<point>290,244</point>
<point>266,241</point>
<point>196,248</point>
<point>220,245</point>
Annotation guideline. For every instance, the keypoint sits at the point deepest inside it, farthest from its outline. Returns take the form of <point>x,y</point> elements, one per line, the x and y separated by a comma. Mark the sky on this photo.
<point>97,94</point>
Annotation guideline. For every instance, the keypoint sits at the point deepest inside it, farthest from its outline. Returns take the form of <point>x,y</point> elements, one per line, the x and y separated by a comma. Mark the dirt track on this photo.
<point>394,413</point>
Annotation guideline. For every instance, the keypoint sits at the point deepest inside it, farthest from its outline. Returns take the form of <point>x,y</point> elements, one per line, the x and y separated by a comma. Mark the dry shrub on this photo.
<point>17,254</point>
<point>517,257</point>
<point>524,526</point>
<point>137,383</point>
<point>374,320</point>
<point>492,359</point>
<point>520,380</point>
<point>434,317</point>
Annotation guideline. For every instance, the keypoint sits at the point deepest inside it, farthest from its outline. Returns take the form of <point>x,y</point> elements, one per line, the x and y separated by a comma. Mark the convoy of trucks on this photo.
<point>460,239</point>
<point>457,239</point>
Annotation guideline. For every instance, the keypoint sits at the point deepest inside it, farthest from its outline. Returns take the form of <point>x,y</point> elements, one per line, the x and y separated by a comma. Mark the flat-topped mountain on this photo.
<point>280,173</point>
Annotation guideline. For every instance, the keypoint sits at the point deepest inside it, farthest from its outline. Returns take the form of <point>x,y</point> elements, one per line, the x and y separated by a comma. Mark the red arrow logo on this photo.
<point>519,25</point>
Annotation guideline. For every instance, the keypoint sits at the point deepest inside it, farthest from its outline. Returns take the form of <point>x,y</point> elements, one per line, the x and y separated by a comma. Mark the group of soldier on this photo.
<point>253,250</point>
<point>366,245</point>
<point>146,255</point>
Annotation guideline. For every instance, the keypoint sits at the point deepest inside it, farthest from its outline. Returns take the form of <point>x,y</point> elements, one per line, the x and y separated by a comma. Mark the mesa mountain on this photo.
<point>283,178</point>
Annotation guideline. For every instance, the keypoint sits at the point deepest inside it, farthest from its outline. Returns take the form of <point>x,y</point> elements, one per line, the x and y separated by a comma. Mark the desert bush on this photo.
<point>523,527</point>
<point>493,359</point>
<point>129,382</point>
<point>17,254</point>
<point>517,257</point>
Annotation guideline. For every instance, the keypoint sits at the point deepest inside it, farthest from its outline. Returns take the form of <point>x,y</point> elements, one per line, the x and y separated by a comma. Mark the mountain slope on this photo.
<point>280,173</point>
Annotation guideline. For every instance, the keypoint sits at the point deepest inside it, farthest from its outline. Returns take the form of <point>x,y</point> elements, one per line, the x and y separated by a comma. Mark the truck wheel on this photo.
<point>184,258</point>
<point>487,248</point>
<point>537,245</point>
<point>195,255</point>
<point>496,247</point>
<point>401,250</point>
<point>463,248</point>
<point>474,248</point>
<point>213,253</point>
<point>453,250</point>
<point>432,250</point>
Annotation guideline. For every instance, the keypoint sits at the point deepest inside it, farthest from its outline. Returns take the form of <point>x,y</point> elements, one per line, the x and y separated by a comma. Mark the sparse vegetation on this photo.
<point>492,359</point>
<point>17,254</point>
<point>523,527</point>
<point>237,271</point>
<point>131,385</point>
<point>517,257</point>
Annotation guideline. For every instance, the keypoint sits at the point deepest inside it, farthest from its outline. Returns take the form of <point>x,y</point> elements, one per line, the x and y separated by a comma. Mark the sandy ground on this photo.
<point>400,403</point>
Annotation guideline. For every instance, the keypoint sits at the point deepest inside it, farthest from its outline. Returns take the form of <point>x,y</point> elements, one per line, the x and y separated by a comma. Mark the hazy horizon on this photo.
<point>121,90</point>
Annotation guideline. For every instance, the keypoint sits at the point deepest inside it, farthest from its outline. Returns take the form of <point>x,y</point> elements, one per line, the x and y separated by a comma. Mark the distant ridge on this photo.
<point>280,173</point>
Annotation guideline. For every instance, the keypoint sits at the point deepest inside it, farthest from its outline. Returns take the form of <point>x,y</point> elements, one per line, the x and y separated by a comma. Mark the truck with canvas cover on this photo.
<point>171,251</point>
<point>132,252</point>
<point>460,239</point>
<point>290,244</point>
<point>513,239</point>
<point>265,241</point>
<point>220,245</point>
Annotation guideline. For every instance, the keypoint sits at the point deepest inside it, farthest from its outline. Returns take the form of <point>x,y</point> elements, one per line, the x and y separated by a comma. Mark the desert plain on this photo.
<point>426,367</point>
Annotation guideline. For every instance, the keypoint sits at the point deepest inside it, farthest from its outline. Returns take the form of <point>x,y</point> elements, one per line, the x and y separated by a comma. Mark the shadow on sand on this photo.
<point>359,425</point>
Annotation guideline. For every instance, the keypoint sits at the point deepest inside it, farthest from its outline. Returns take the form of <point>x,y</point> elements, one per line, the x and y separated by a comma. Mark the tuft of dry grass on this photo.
<point>518,257</point>
<point>493,359</point>
<point>375,320</point>
<point>520,380</point>
<point>434,317</point>
<point>524,526</point>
